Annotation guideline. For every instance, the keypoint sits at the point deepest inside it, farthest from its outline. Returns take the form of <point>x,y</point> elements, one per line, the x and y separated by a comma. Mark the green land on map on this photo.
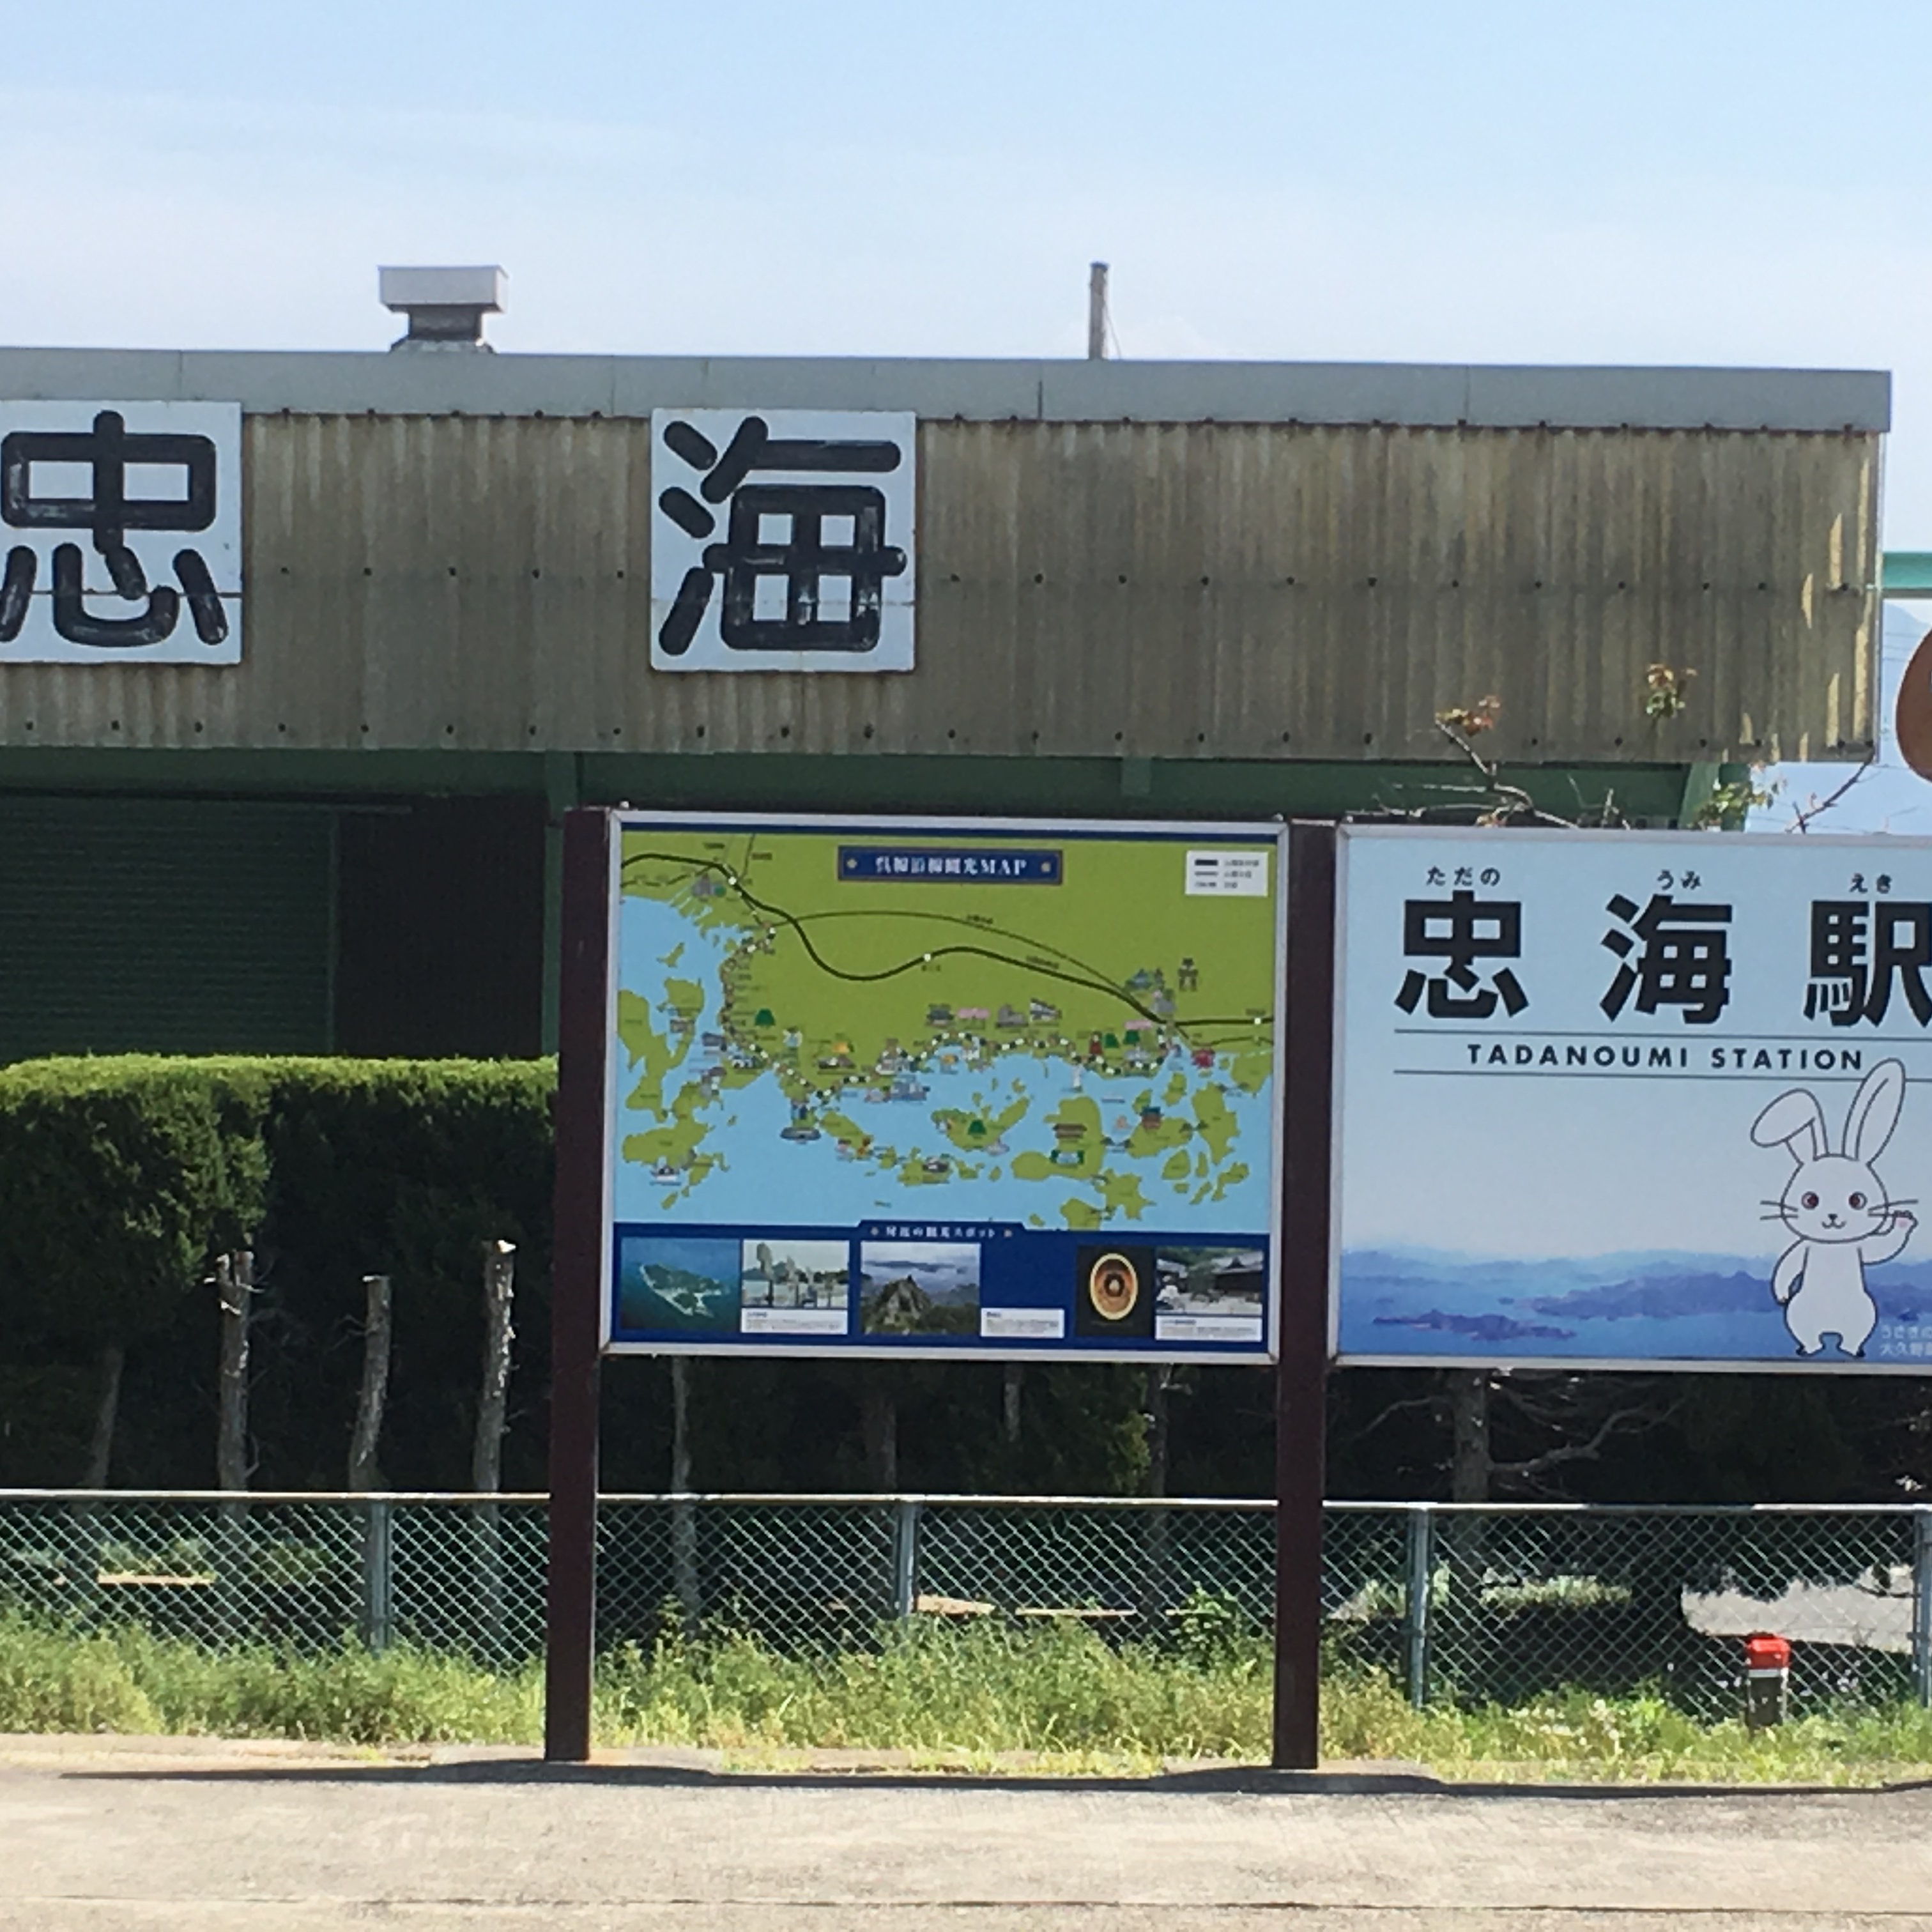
<point>849,990</point>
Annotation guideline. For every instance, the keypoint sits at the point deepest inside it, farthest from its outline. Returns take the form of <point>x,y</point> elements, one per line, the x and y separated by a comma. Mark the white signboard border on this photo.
<point>1351,835</point>
<point>985,1349</point>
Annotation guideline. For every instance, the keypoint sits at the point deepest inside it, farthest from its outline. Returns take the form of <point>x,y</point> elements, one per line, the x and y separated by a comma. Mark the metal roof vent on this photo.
<point>446,306</point>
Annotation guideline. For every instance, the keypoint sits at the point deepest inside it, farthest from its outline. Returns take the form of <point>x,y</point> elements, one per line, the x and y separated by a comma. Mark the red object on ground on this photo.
<point>1763,1652</point>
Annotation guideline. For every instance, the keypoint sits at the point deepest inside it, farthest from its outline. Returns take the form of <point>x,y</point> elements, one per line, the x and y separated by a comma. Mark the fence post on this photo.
<point>905,1557</point>
<point>1922,1608</point>
<point>1415,1599</point>
<point>378,1576</point>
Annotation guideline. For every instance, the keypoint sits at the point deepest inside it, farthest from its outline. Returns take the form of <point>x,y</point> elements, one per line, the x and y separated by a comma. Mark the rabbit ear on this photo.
<point>1875,1111</point>
<point>1790,1118</point>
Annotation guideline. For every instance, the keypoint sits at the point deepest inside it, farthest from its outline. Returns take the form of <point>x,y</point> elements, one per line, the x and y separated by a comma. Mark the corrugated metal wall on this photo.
<point>163,925</point>
<point>1135,589</point>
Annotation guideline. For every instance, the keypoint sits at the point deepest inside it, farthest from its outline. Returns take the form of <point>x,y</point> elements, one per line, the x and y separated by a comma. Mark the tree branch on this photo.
<point>1462,743</point>
<point>1375,1422</point>
<point>1801,821</point>
<point>1645,1417</point>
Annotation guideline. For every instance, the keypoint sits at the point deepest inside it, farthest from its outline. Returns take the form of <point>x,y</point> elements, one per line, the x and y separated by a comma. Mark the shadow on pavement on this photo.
<point>1244,1781</point>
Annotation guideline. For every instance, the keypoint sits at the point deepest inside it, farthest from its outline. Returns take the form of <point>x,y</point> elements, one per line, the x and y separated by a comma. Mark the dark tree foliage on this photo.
<point>120,1179</point>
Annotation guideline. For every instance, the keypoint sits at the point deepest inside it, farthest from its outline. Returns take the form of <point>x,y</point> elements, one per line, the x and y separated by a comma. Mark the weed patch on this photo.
<point>1054,1691</point>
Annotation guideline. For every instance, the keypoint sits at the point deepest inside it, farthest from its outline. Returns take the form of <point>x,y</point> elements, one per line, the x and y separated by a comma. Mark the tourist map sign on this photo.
<point>1621,1100</point>
<point>943,1088</point>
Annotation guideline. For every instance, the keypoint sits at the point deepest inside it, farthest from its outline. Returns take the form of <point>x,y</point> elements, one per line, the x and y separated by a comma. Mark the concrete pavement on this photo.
<point>172,1834</point>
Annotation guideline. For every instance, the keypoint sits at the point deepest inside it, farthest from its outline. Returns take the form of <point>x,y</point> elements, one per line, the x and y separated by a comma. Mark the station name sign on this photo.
<point>122,528</point>
<point>1621,1098</point>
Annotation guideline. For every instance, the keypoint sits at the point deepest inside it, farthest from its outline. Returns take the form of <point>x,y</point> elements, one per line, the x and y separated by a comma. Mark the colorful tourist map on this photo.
<point>1020,1042</point>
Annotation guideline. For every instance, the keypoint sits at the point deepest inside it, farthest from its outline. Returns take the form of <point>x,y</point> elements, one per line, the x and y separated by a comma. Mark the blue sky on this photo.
<point>1410,179</point>
<point>1886,796</point>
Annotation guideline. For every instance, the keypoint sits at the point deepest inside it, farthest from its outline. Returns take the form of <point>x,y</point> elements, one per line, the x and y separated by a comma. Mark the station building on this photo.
<point>1135,589</point>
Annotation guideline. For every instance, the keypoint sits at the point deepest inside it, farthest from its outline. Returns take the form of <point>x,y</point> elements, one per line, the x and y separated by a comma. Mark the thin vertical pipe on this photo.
<point>1415,1599</point>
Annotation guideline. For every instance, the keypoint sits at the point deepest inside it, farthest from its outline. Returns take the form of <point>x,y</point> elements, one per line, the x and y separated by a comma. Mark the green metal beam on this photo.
<point>754,782</point>
<point>1907,573</point>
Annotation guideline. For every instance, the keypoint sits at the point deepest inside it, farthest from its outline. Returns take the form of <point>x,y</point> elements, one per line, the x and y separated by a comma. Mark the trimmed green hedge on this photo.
<point>119,1178</point>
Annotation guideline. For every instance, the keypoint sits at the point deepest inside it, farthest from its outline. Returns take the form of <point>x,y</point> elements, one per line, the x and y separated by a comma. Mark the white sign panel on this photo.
<point>122,528</point>
<point>782,540</point>
<point>1633,1099</point>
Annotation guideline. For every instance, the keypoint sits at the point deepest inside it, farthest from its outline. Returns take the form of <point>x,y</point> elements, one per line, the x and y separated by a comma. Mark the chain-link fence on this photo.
<point>449,1572</point>
<point>1472,1603</point>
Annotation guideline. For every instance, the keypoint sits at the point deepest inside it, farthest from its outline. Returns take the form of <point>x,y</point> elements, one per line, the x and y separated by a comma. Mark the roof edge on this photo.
<point>1419,395</point>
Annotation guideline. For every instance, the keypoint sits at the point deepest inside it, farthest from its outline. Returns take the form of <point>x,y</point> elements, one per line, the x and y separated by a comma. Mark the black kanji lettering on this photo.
<point>1682,958</point>
<point>107,512</point>
<point>804,565</point>
<point>1860,951</point>
<point>1460,931</point>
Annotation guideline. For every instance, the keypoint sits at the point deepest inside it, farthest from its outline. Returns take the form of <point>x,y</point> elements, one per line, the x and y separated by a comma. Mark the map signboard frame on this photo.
<point>1629,1100</point>
<point>783,1267</point>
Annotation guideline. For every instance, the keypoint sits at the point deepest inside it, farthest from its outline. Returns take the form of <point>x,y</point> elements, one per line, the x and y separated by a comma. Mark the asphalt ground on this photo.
<point>150,1834</point>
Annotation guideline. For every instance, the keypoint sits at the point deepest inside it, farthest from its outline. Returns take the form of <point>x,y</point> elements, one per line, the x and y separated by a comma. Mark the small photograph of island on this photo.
<point>919,1288</point>
<point>1211,1281</point>
<point>781,1274</point>
<point>670,1286</point>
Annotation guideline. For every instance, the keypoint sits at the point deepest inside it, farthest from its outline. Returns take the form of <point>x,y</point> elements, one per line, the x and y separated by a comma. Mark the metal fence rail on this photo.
<point>1468,1602</point>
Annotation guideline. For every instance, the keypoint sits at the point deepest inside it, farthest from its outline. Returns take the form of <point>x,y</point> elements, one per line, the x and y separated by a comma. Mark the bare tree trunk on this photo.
<point>100,1454</point>
<point>680,1425</point>
<point>499,1275</point>
<point>1016,1381</point>
<point>234,1282</point>
<point>879,1416</point>
<point>1156,1423</point>
<point>1470,1463</point>
<point>100,1451</point>
<point>486,1459</point>
<point>363,1443</point>
<point>683,1520</point>
<point>1154,1542</point>
<point>1470,1471</point>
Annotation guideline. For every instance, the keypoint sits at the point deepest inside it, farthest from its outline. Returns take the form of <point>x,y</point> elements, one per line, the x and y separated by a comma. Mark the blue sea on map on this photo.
<point>1651,1307</point>
<point>769,1181</point>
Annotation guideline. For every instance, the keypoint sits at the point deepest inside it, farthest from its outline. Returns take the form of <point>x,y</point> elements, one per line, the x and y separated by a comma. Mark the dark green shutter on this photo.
<point>170,925</point>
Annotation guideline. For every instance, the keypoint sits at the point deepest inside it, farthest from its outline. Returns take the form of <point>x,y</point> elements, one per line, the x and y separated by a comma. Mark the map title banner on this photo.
<point>863,1099</point>
<point>989,865</point>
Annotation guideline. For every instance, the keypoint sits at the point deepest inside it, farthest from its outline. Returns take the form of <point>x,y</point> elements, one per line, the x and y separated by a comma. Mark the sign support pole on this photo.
<point>576,1286</point>
<point>1301,1375</point>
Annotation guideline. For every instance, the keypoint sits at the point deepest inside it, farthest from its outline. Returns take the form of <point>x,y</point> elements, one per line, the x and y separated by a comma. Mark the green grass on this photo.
<point>956,1697</point>
<point>1576,1736</point>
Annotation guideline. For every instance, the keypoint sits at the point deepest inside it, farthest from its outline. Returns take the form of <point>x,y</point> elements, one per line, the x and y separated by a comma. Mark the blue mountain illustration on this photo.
<point>1647,1306</point>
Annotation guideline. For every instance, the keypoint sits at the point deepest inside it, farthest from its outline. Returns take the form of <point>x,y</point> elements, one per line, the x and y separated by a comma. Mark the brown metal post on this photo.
<point>1301,1377</point>
<point>576,1282</point>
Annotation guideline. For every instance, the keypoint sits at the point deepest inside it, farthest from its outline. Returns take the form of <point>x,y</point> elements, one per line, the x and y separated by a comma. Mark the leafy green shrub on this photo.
<point>50,1681</point>
<point>120,1177</point>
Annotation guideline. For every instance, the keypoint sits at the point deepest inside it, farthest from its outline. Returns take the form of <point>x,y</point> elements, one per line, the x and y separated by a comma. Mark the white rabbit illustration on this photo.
<point>1838,1207</point>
